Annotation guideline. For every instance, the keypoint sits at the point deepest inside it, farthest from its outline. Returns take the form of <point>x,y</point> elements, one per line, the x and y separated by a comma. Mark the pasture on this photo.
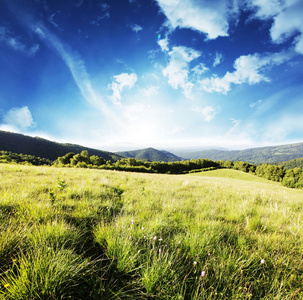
<point>69,233</point>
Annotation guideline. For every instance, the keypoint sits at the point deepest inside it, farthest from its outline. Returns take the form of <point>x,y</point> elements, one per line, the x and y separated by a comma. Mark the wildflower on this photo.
<point>203,273</point>
<point>155,238</point>
<point>133,222</point>
<point>160,240</point>
<point>262,261</point>
<point>160,251</point>
<point>142,228</point>
<point>208,254</point>
<point>195,262</point>
<point>130,237</point>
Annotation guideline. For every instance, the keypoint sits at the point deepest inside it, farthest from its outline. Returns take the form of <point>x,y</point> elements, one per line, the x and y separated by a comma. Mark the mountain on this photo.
<point>150,154</point>
<point>39,147</point>
<point>259,155</point>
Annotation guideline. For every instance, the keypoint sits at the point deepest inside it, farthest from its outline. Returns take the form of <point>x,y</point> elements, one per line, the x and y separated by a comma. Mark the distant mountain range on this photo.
<point>39,147</point>
<point>19,143</point>
<point>259,155</point>
<point>150,154</point>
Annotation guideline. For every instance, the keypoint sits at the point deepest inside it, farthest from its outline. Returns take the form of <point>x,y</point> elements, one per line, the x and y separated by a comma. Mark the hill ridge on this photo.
<point>43,148</point>
<point>150,154</point>
<point>257,155</point>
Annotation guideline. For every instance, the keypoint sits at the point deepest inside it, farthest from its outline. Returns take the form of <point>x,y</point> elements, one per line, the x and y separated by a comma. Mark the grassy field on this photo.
<point>91,234</point>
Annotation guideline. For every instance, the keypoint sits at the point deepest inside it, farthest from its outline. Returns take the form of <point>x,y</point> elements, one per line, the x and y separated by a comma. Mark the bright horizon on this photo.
<point>153,73</point>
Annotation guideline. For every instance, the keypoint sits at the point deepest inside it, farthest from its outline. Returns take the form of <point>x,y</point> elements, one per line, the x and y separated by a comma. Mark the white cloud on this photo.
<point>16,43</point>
<point>266,8</point>
<point>177,70</point>
<point>235,122</point>
<point>287,19</point>
<point>136,28</point>
<point>104,6</point>
<point>218,59</point>
<point>150,91</point>
<point>209,17</point>
<point>78,71</point>
<point>207,112</point>
<point>248,69</point>
<point>163,43</point>
<point>19,118</point>
<point>252,105</point>
<point>235,130</point>
<point>199,69</point>
<point>105,14</point>
<point>287,23</point>
<point>51,19</point>
<point>120,82</point>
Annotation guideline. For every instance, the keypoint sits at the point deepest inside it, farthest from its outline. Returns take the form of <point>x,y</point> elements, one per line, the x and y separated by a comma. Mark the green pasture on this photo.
<point>70,233</point>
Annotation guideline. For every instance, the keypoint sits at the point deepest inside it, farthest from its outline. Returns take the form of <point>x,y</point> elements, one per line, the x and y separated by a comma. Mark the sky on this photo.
<point>117,74</point>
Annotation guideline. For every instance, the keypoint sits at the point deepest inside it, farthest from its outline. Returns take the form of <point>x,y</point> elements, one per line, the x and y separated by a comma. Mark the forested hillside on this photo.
<point>253,155</point>
<point>39,147</point>
<point>294,163</point>
<point>150,154</point>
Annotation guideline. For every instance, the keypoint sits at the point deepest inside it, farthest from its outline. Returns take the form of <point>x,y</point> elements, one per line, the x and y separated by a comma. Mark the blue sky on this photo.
<point>153,73</point>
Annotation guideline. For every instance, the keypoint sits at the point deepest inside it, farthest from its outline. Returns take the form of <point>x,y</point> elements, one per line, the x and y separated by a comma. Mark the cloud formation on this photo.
<point>78,70</point>
<point>190,13</point>
<point>208,112</point>
<point>16,43</point>
<point>163,43</point>
<point>177,70</point>
<point>218,59</point>
<point>136,28</point>
<point>287,19</point>
<point>252,105</point>
<point>120,82</point>
<point>248,69</point>
<point>19,117</point>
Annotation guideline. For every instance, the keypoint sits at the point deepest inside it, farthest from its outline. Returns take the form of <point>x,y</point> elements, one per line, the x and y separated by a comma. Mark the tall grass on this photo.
<point>91,234</point>
<point>46,273</point>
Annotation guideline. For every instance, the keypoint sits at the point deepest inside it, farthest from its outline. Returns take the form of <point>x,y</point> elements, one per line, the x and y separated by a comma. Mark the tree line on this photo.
<point>84,160</point>
<point>292,178</point>
<point>288,177</point>
<point>9,157</point>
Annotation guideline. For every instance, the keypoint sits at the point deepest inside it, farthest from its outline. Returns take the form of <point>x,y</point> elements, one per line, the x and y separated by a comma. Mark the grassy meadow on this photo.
<point>69,233</point>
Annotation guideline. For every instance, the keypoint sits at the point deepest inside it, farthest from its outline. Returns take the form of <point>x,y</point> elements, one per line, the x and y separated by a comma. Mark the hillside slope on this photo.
<point>150,154</point>
<point>253,155</point>
<point>19,143</point>
<point>293,163</point>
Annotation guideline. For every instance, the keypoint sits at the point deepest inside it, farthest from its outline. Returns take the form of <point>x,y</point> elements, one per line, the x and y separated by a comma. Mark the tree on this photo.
<point>292,177</point>
<point>97,161</point>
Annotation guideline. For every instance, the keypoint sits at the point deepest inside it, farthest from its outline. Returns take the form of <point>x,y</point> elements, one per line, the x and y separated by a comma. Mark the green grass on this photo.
<point>232,174</point>
<point>91,234</point>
